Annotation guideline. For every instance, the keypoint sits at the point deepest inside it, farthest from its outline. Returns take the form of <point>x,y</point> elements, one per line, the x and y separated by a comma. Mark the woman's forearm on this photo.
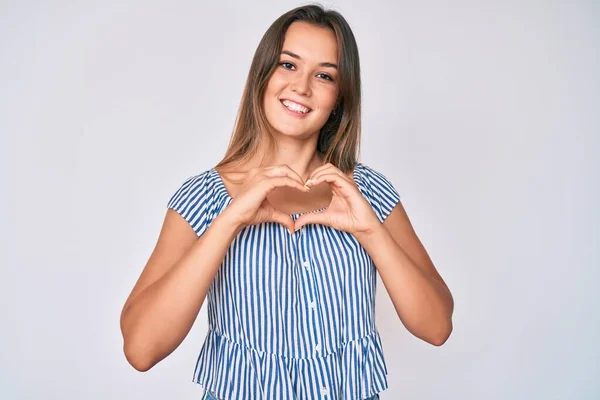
<point>422,303</point>
<point>160,317</point>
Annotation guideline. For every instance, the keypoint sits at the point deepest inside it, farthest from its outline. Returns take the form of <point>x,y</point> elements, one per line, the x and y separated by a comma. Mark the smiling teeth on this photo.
<point>295,107</point>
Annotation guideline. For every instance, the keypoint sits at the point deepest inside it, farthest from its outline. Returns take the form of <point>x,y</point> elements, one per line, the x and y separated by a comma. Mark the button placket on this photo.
<point>311,302</point>
<point>311,296</point>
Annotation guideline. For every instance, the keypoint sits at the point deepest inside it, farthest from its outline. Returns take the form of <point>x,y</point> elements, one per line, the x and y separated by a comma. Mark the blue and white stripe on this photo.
<point>290,316</point>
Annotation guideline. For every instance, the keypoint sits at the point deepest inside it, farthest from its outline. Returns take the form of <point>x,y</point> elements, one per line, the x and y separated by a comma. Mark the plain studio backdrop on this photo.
<point>484,115</point>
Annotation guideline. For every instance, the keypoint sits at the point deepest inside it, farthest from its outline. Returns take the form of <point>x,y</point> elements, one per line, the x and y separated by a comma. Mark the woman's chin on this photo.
<point>294,133</point>
<point>293,130</point>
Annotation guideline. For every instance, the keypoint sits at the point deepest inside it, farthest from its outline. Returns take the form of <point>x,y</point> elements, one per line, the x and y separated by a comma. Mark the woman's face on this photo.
<point>302,91</point>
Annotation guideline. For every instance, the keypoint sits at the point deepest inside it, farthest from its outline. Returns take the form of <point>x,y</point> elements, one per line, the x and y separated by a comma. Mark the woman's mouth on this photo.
<point>295,108</point>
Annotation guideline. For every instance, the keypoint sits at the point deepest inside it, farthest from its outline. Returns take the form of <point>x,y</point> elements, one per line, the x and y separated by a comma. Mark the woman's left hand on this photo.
<point>348,211</point>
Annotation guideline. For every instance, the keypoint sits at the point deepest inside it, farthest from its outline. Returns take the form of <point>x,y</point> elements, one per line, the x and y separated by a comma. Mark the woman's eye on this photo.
<point>292,67</point>
<point>287,65</point>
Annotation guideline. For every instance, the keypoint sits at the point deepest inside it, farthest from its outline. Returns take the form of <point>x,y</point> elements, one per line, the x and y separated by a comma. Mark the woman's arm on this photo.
<point>420,296</point>
<point>165,301</point>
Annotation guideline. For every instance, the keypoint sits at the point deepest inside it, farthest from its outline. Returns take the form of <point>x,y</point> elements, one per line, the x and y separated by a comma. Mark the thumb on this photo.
<point>283,219</point>
<point>310,218</point>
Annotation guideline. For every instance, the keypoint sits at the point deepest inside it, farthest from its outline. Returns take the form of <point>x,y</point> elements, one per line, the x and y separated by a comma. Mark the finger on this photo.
<point>280,181</point>
<point>310,218</point>
<point>283,219</point>
<point>330,177</point>
<point>283,170</point>
<point>331,171</point>
<point>320,171</point>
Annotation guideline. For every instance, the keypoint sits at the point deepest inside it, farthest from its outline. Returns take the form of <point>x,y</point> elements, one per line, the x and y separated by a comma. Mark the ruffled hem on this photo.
<point>231,371</point>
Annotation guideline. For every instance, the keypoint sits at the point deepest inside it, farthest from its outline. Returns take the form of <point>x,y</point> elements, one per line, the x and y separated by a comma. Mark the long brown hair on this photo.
<point>339,138</point>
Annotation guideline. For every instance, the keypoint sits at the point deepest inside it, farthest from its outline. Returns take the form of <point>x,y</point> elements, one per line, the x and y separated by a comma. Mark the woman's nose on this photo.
<point>301,84</point>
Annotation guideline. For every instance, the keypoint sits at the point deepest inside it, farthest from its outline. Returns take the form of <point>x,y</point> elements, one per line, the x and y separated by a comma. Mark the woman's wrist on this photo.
<point>230,222</point>
<point>373,233</point>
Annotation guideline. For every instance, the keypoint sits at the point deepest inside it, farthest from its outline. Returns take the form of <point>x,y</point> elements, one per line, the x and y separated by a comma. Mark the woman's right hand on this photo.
<point>250,205</point>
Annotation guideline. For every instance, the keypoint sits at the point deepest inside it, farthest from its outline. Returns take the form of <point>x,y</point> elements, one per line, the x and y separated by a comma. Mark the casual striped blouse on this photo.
<point>289,316</point>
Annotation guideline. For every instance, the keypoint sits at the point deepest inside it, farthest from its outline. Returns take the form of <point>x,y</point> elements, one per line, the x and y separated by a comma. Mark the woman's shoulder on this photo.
<point>199,183</point>
<point>199,198</point>
<point>377,188</point>
<point>371,175</point>
<point>367,171</point>
<point>231,176</point>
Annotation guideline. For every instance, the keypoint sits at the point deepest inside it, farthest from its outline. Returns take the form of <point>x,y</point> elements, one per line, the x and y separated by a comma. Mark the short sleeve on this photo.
<point>383,195</point>
<point>194,201</point>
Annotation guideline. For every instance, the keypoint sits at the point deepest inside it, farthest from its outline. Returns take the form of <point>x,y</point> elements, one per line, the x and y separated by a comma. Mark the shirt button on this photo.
<point>324,391</point>
<point>312,304</point>
<point>318,347</point>
<point>306,264</point>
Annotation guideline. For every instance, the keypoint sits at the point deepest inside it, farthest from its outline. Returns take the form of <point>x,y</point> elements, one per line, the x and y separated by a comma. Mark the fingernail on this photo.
<point>308,182</point>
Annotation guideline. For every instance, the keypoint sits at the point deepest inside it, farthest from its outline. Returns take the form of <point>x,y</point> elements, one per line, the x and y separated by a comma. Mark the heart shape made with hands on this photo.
<point>348,210</point>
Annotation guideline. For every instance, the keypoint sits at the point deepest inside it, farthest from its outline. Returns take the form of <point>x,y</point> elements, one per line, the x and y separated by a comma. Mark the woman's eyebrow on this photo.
<point>296,56</point>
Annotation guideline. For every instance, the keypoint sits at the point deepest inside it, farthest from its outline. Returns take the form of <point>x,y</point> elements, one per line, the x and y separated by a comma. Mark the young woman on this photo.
<point>285,237</point>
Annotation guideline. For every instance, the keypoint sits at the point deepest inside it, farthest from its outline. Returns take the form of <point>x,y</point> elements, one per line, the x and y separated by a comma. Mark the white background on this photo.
<point>484,115</point>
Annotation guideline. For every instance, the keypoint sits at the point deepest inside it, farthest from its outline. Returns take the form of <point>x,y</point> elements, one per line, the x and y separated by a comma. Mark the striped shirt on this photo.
<point>289,316</point>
